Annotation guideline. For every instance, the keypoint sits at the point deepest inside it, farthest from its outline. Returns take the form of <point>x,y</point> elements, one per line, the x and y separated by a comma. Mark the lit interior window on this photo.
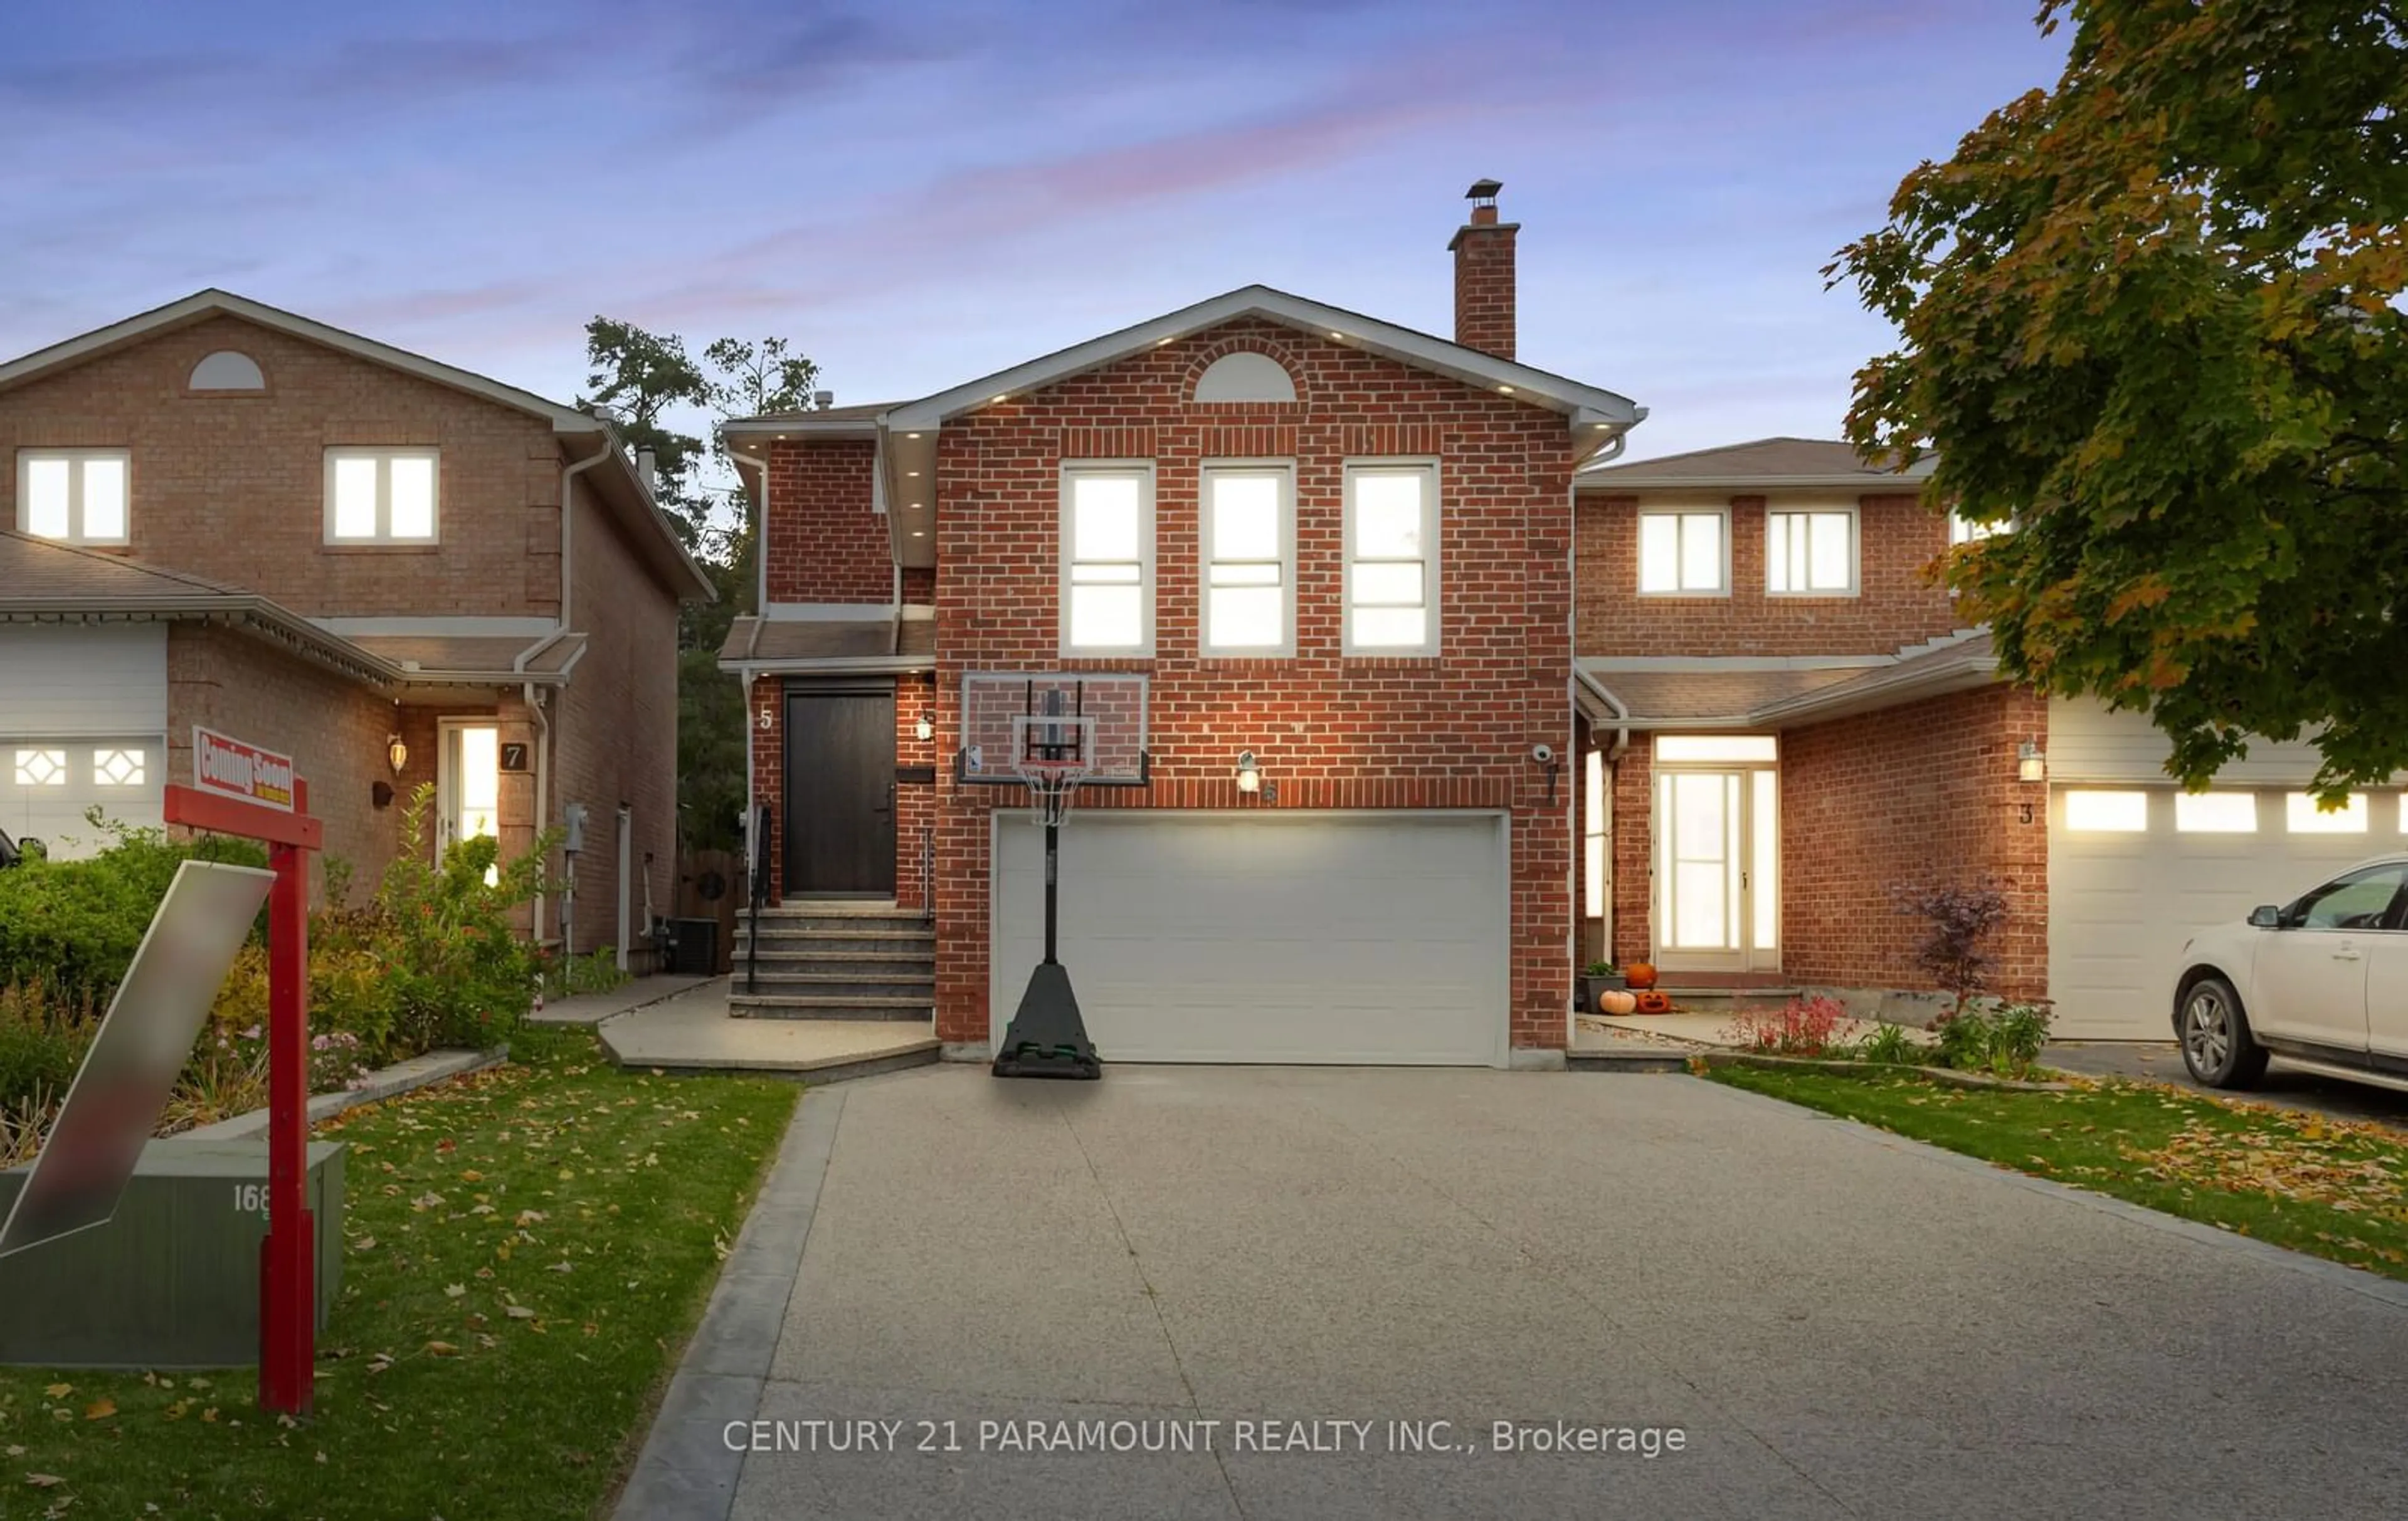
<point>2107,813</point>
<point>2302,815</point>
<point>2216,813</point>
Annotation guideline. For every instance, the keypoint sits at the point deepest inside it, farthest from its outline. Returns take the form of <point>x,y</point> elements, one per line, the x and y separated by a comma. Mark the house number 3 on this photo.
<point>2027,812</point>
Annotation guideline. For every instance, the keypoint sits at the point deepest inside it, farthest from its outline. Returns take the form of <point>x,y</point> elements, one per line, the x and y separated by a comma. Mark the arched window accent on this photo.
<point>1245,376</point>
<point>227,371</point>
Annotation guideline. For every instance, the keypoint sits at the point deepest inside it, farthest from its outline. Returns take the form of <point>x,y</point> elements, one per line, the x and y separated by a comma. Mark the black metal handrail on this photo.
<point>756,891</point>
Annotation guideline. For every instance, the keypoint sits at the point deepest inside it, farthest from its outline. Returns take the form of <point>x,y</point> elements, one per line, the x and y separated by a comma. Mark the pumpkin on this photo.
<point>1614,1001</point>
<point>1654,1003</point>
<point>1640,974</point>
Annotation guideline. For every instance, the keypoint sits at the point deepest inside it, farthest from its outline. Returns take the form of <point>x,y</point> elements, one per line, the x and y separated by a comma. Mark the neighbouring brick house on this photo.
<point>219,515</point>
<point>1783,716</point>
<point>1340,555</point>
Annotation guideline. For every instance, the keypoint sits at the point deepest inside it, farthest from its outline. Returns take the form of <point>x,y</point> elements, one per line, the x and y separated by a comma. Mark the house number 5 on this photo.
<point>768,718</point>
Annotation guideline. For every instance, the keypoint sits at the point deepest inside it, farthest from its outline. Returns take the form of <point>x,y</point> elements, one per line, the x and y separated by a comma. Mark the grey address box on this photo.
<point>172,1279</point>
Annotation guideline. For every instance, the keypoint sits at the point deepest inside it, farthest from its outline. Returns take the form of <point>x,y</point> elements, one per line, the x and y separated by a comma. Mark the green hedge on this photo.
<point>69,927</point>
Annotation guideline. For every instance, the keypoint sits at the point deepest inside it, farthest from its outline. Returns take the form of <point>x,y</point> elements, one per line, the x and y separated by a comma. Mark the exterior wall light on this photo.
<point>396,755</point>
<point>2030,765</point>
<point>1250,776</point>
<point>925,730</point>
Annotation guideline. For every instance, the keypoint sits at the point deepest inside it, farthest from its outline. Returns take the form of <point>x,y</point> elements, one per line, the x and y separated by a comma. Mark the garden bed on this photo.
<point>1947,1075</point>
<point>528,1249</point>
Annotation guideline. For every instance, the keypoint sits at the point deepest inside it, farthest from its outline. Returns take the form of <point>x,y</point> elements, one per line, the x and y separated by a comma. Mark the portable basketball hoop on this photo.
<point>1055,745</point>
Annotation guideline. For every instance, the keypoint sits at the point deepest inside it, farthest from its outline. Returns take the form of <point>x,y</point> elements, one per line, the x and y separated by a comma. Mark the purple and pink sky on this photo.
<point>917,194</point>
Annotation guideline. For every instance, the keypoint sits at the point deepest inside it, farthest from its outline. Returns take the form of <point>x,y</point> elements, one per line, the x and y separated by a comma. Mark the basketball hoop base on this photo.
<point>1046,1038</point>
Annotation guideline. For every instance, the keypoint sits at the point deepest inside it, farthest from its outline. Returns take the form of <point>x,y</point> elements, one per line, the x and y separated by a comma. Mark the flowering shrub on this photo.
<point>1800,1027</point>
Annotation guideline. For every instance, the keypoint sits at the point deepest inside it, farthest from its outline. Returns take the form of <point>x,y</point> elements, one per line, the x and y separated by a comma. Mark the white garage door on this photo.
<point>2134,871</point>
<point>1267,937</point>
<point>83,714</point>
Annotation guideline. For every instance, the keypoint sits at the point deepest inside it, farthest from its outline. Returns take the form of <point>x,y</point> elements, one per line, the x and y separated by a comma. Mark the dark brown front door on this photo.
<point>840,790</point>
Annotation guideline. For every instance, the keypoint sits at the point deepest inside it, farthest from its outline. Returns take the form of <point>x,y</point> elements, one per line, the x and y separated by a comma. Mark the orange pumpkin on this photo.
<point>1640,974</point>
<point>1654,1003</point>
<point>1614,1001</point>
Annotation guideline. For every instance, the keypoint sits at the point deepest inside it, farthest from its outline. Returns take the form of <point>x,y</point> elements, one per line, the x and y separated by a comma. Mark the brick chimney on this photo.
<point>1484,275</point>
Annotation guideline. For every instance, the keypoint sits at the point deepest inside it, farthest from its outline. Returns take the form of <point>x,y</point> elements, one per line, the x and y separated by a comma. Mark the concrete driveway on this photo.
<point>1837,1321</point>
<point>2285,1086</point>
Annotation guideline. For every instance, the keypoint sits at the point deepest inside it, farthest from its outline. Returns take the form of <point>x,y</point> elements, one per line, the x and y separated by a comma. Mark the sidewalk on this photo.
<point>640,993</point>
<point>694,1032</point>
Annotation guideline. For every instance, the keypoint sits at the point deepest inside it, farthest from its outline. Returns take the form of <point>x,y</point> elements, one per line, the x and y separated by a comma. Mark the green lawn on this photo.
<point>528,1249</point>
<point>2335,1188</point>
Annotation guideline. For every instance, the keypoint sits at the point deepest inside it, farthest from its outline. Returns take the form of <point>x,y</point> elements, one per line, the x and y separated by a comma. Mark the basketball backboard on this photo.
<point>1004,713</point>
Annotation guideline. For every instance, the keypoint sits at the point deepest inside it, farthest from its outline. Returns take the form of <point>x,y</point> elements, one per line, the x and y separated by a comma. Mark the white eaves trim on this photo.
<point>1586,406</point>
<point>1602,478</point>
<point>745,670</point>
<point>215,302</point>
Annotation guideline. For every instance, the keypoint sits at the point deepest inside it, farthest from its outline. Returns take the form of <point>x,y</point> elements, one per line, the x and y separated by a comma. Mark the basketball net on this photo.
<point>1052,782</point>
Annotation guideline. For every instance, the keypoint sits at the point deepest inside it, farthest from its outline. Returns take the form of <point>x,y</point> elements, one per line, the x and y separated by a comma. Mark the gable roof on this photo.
<point>1588,407</point>
<point>1761,462</point>
<point>631,498</point>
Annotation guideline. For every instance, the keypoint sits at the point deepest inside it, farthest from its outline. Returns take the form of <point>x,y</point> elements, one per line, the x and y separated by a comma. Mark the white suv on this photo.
<point>2321,984</point>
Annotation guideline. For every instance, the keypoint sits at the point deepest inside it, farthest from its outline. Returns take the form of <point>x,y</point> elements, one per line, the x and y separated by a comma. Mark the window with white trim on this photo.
<point>1392,605</point>
<point>1593,837</point>
<point>2302,815</point>
<point>1684,553</point>
<point>2088,812</point>
<point>1108,559</point>
<point>382,495</point>
<point>73,495</point>
<point>1811,554</point>
<point>2216,813</point>
<point>1962,530</point>
<point>120,766</point>
<point>1247,538</point>
<point>38,767</point>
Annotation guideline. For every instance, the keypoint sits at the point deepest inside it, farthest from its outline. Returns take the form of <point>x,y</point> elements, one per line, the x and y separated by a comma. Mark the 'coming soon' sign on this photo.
<point>231,768</point>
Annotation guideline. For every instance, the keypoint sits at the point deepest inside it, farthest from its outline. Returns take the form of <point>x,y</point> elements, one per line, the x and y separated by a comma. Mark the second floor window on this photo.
<point>1249,543</point>
<point>1683,554</point>
<point>1391,559</point>
<point>1810,553</point>
<point>74,495</point>
<point>1965,531</point>
<point>382,495</point>
<point>1108,559</point>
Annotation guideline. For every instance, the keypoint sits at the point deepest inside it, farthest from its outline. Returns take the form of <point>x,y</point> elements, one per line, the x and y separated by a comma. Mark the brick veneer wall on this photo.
<point>334,728</point>
<point>1897,605</point>
<point>915,802</point>
<point>231,485</point>
<point>824,544</point>
<point>1453,731</point>
<point>1633,782</point>
<point>764,719</point>
<point>614,734</point>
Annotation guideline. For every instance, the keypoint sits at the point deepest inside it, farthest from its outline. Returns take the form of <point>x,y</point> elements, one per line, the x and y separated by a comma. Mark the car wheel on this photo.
<point>2216,1045</point>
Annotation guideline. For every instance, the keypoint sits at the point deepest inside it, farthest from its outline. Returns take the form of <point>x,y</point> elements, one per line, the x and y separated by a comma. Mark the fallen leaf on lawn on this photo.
<point>100,1409</point>
<point>57,1391</point>
<point>366,1244</point>
<point>15,1451</point>
<point>441,1349</point>
<point>530,1217</point>
<point>481,1209</point>
<point>520,1311</point>
<point>210,1415</point>
<point>382,1361</point>
<point>562,1265</point>
<point>453,1291</point>
<point>198,1383</point>
<point>471,1175</point>
<point>44,1481</point>
<point>428,1200</point>
<point>484,1272</point>
<point>176,1411</point>
<point>592,1329</point>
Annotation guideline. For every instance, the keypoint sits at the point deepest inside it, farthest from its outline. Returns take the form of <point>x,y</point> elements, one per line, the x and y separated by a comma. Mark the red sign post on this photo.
<point>244,791</point>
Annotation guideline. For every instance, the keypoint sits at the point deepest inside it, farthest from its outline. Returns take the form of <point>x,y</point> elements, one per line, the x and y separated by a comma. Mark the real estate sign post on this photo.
<point>240,789</point>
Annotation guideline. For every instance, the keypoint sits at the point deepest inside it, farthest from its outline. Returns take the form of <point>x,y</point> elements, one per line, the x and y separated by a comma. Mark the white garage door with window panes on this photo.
<point>2136,866</point>
<point>83,710</point>
<point>1218,937</point>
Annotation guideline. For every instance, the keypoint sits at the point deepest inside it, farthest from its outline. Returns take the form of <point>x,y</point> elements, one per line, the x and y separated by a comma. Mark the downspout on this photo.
<point>542,781</point>
<point>760,537</point>
<point>567,581</point>
<point>744,674</point>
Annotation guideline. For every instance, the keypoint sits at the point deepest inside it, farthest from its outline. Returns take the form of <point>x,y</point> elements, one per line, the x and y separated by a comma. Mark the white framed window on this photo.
<point>1108,558</point>
<point>120,766</point>
<point>382,495</point>
<point>2216,813</point>
<point>1392,573</point>
<point>1810,553</point>
<point>1726,748</point>
<point>1593,835</point>
<point>1684,552</point>
<point>2301,816</point>
<point>38,767</point>
<point>1963,530</point>
<point>74,495</point>
<point>1248,539</point>
<point>2089,812</point>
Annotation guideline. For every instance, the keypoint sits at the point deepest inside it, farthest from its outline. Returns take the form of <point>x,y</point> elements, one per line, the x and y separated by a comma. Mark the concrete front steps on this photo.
<point>837,959</point>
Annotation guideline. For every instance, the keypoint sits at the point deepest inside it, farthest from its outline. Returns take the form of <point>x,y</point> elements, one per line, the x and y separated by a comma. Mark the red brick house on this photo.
<point>1338,553</point>
<point>1782,717</point>
<point>222,515</point>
